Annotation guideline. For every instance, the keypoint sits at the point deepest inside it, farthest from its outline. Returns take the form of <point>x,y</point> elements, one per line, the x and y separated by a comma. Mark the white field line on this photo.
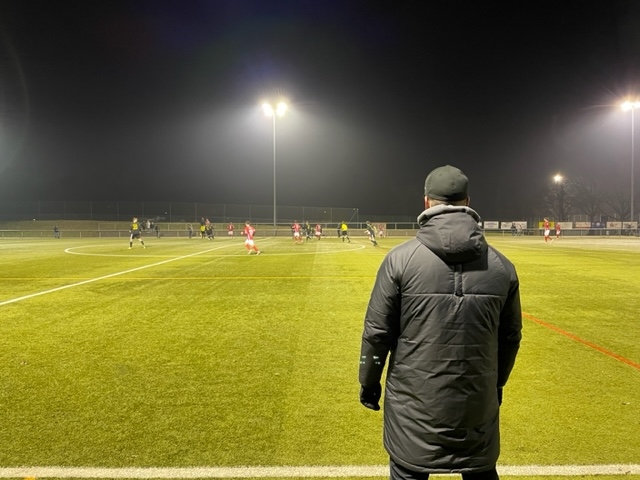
<point>97,279</point>
<point>283,471</point>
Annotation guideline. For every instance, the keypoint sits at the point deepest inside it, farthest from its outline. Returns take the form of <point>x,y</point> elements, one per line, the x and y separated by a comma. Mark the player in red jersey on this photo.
<point>547,230</point>
<point>318,231</point>
<point>249,244</point>
<point>557,229</point>
<point>297,236</point>
<point>230,229</point>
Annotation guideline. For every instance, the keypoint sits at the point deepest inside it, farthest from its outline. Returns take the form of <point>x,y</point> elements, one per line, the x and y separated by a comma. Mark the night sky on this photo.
<point>160,100</point>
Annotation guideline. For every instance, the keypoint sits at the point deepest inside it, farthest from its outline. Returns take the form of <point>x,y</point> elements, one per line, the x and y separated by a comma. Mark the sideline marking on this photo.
<point>303,471</point>
<point>217,277</point>
<point>111,275</point>
<point>598,348</point>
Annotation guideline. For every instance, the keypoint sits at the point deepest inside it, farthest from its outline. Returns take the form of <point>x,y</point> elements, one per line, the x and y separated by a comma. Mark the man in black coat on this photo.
<point>445,313</point>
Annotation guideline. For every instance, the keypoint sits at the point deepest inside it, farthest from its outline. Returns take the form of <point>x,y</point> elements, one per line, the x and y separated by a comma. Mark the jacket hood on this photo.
<point>452,233</point>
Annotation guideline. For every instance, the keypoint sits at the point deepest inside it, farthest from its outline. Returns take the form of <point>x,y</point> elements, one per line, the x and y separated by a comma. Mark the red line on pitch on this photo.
<point>584,342</point>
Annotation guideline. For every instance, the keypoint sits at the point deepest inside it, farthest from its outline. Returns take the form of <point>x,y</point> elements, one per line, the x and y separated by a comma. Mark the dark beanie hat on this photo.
<point>446,183</point>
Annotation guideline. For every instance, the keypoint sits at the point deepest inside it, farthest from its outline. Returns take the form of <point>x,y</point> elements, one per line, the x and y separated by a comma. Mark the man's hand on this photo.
<point>370,396</point>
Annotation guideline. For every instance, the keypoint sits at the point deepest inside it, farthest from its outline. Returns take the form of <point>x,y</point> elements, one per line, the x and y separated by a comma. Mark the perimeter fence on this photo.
<point>173,212</point>
<point>174,218</point>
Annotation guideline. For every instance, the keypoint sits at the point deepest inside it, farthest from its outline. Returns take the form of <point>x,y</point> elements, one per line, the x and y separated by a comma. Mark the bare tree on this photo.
<point>618,202</point>
<point>560,199</point>
<point>587,197</point>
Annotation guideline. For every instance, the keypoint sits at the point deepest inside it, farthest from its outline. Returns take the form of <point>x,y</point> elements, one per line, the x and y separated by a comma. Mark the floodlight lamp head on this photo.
<point>281,109</point>
<point>558,178</point>
<point>626,106</point>
<point>267,109</point>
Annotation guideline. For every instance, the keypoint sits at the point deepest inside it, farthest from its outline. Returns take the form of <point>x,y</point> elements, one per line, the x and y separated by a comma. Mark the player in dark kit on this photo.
<point>307,231</point>
<point>135,233</point>
<point>208,228</point>
<point>372,234</point>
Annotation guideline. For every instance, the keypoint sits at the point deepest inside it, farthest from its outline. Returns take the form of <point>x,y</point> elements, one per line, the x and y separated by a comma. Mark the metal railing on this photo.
<point>179,230</point>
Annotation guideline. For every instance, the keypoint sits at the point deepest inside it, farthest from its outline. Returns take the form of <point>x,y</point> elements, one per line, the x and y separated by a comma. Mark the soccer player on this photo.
<point>134,230</point>
<point>230,229</point>
<point>547,230</point>
<point>557,229</point>
<point>344,232</point>
<point>307,231</point>
<point>372,234</point>
<point>249,244</point>
<point>208,228</point>
<point>297,236</point>
<point>318,231</point>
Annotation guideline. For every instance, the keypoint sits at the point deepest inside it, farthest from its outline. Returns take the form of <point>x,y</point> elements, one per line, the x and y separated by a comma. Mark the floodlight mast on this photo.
<point>279,111</point>
<point>559,181</point>
<point>626,106</point>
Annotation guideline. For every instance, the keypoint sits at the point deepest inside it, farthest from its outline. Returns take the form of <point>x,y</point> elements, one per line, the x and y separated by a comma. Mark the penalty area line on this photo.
<point>301,472</point>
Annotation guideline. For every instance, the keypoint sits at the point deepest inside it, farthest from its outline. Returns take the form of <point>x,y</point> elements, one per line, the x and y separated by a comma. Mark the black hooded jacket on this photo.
<point>446,307</point>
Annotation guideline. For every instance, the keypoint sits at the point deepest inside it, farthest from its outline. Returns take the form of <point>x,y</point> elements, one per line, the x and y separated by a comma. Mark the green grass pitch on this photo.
<point>193,353</point>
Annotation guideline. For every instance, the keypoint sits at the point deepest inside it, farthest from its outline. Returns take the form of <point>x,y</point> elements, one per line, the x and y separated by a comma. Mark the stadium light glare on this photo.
<point>267,109</point>
<point>279,111</point>
<point>558,178</point>
<point>631,106</point>
<point>626,106</point>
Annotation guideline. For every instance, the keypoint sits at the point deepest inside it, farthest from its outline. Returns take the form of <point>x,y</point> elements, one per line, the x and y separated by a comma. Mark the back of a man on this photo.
<point>447,308</point>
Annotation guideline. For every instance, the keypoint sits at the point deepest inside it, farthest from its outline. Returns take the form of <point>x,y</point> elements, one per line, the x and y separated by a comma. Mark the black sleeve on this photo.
<point>380,325</point>
<point>509,332</point>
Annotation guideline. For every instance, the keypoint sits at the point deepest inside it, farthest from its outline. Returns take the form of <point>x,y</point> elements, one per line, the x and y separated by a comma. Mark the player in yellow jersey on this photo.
<point>344,231</point>
<point>135,233</point>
